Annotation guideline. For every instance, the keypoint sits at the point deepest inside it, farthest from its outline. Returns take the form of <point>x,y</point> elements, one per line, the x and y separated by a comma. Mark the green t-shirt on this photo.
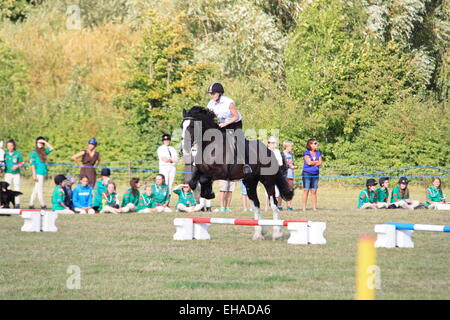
<point>145,201</point>
<point>396,195</point>
<point>366,196</point>
<point>110,199</point>
<point>382,194</point>
<point>129,197</point>
<point>98,191</point>
<point>11,160</point>
<point>41,167</point>
<point>434,195</point>
<point>58,196</point>
<point>186,198</point>
<point>160,194</point>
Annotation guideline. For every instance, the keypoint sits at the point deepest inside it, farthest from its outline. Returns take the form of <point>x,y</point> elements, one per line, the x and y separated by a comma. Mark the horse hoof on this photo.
<point>277,236</point>
<point>257,236</point>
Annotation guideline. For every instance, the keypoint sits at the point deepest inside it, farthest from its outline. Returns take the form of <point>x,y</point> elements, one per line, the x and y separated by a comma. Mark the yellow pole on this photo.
<point>365,287</point>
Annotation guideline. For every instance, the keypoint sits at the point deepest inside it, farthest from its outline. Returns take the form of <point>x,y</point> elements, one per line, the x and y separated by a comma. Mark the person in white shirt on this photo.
<point>225,110</point>
<point>168,158</point>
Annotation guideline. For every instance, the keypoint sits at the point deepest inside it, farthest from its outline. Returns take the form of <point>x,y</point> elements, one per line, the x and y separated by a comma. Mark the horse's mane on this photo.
<point>207,116</point>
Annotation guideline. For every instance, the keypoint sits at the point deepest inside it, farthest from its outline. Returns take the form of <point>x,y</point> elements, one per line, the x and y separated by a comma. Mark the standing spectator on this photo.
<point>400,195</point>
<point>110,199</point>
<point>82,197</point>
<point>168,158</point>
<point>160,194</point>
<point>272,145</point>
<point>38,162</point>
<point>13,163</point>
<point>290,167</point>
<point>2,159</point>
<point>90,159</point>
<point>434,194</point>
<point>226,192</point>
<point>244,195</point>
<point>100,187</point>
<point>130,200</point>
<point>312,160</point>
<point>59,196</point>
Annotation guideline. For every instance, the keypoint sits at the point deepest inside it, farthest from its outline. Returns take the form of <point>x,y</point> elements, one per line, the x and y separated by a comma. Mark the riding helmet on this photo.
<point>216,87</point>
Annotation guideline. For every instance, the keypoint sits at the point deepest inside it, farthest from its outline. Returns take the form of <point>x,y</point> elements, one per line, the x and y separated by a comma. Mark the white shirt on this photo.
<point>278,156</point>
<point>222,109</point>
<point>167,152</point>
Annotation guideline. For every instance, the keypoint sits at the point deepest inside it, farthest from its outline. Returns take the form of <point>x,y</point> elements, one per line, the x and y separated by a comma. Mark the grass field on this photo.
<point>134,257</point>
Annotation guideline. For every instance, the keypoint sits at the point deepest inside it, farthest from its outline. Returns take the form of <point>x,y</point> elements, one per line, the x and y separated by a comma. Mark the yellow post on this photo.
<point>365,286</point>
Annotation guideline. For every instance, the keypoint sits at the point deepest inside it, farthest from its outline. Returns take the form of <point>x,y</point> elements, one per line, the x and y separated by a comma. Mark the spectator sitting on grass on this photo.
<point>434,194</point>
<point>368,198</point>
<point>400,196</point>
<point>146,203</point>
<point>130,199</point>
<point>160,193</point>
<point>100,187</point>
<point>59,196</point>
<point>110,199</point>
<point>82,197</point>
<point>186,199</point>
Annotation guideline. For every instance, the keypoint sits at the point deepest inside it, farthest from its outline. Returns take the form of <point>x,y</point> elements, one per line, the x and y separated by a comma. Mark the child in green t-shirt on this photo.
<point>130,199</point>
<point>38,162</point>
<point>160,194</point>
<point>186,199</point>
<point>59,196</point>
<point>100,187</point>
<point>110,199</point>
<point>367,198</point>
<point>434,194</point>
<point>382,193</point>
<point>400,196</point>
<point>146,203</point>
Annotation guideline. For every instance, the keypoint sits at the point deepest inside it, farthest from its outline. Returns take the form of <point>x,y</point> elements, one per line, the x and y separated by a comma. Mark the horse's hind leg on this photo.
<point>250,185</point>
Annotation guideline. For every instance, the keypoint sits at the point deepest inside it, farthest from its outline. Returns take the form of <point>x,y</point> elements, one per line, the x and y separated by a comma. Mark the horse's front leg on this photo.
<point>194,179</point>
<point>206,188</point>
<point>277,232</point>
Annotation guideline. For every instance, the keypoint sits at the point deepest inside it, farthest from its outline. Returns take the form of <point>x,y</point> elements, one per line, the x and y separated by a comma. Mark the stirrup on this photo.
<point>247,169</point>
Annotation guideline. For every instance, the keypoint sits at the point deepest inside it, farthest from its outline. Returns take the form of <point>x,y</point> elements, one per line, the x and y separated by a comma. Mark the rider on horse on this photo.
<point>229,117</point>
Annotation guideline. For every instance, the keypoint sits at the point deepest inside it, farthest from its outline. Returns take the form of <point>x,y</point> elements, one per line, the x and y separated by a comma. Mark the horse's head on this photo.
<point>197,116</point>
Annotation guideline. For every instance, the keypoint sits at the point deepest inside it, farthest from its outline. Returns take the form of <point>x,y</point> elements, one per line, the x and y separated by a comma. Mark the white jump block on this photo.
<point>299,232</point>
<point>184,229</point>
<point>315,232</point>
<point>48,221</point>
<point>443,206</point>
<point>39,220</point>
<point>389,237</point>
<point>32,221</point>
<point>201,231</point>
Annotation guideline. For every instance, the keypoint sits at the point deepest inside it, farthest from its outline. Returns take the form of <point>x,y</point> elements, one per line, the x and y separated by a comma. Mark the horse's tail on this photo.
<point>286,192</point>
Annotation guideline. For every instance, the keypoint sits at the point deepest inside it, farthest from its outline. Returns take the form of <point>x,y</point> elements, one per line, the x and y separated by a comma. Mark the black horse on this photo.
<point>207,147</point>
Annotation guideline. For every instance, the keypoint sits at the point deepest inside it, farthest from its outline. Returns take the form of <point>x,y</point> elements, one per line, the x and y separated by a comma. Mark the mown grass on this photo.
<point>134,257</point>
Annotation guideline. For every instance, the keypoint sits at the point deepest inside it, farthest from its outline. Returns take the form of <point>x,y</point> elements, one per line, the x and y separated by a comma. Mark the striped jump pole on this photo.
<point>35,220</point>
<point>301,231</point>
<point>399,234</point>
